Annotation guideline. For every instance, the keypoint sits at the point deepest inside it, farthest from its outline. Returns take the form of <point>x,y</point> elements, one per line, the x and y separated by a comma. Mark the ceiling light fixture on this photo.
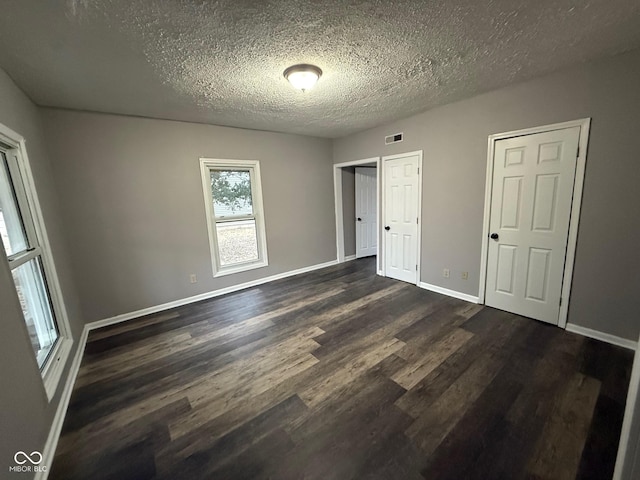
<point>303,77</point>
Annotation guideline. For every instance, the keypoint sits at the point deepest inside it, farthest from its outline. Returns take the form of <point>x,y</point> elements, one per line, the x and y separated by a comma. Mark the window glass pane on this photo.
<point>231,191</point>
<point>34,300</point>
<point>12,230</point>
<point>237,242</point>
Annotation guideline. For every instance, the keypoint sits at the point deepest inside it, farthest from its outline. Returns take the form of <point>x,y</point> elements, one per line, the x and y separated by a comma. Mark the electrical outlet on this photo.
<point>193,278</point>
<point>465,275</point>
<point>445,273</point>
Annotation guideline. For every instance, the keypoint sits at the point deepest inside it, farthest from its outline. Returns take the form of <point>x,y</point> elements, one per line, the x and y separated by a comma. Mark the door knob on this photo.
<point>359,219</point>
<point>387,228</point>
<point>494,236</point>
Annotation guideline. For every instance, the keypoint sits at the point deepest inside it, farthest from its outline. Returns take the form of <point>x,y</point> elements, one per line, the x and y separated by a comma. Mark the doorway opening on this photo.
<point>357,196</point>
<point>393,231</point>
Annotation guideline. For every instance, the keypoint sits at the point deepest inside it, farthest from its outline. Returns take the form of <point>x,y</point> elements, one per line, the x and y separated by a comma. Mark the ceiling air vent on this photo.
<point>388,140</point>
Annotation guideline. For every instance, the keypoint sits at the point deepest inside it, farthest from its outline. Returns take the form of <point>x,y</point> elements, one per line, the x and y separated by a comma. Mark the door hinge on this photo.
<point>416,268</point>
<point>418,170</point>
<point>560,301</point>
<point>578,152</point>
<point>417,221</point>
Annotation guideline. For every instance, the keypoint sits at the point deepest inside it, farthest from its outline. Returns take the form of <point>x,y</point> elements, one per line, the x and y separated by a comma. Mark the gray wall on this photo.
<point>133,206</point>
<point>25,413</point>
<point>349,209</point>
<point>454,139</point>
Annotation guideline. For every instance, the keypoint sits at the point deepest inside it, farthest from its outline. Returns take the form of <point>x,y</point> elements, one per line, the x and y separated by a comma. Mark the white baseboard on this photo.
<point>605,337</point>
<point>203,296</point>
<point>451,293</point>
<point>49,450</point>
<point>587,332</point>
<point>348,258</point>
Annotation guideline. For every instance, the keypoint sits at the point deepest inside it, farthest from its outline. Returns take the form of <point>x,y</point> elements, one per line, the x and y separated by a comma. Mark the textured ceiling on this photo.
<point>221,62</point>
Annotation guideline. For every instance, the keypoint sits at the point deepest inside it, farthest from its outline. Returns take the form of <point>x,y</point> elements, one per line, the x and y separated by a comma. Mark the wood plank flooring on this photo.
<point>342,374</point>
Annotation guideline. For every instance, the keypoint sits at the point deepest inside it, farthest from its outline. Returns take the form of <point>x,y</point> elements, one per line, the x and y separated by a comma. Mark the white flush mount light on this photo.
<point>303,77</point>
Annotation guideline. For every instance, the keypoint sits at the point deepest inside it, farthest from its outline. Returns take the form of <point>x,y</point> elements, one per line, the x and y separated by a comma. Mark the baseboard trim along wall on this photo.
<point>451,293</point>
<point>204,296</point>
<point>49,449</point>
<point>50,445</point>
<point>348,258</point>
<point>605,337</point>
<point>587,332</point>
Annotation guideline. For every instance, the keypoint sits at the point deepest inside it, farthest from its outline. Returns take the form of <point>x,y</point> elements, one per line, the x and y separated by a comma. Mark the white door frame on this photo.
<point>628,458</point>
<point>583,142</point>
<point>381,249</point>
<point>337,191</point>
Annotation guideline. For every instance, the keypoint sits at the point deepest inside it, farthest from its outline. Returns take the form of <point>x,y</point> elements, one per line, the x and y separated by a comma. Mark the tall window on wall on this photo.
<point>233,202</point>
<point>26,250</point>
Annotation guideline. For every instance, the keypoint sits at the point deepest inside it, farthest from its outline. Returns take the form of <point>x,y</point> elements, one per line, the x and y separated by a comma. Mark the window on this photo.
<point>24,243</point>
<point>233,201</point>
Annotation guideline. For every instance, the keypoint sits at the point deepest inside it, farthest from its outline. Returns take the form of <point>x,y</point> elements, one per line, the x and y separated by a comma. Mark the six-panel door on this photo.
<point>533,177</point>
<point>401,218</point>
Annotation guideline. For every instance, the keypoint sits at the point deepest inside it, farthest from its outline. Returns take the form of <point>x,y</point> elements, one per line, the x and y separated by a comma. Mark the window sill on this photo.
<point>54,368</point>
<point>240,268</point>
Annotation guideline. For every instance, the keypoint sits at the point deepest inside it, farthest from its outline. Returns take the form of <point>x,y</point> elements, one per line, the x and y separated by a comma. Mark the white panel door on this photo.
<point>366,212</point>
<point>533,178</point>
<point>401,218</point>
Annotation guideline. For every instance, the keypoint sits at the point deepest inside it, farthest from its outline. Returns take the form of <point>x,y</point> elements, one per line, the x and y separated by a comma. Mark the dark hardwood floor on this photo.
<point>341,374</point>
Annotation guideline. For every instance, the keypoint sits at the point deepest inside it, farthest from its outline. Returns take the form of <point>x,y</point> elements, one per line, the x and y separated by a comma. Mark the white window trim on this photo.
<point>206,164</point>
<point>52,370</point>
